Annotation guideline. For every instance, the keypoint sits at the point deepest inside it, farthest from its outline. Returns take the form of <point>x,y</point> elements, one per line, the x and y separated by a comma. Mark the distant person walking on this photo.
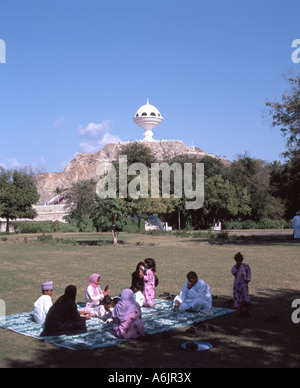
<point>296,225</point>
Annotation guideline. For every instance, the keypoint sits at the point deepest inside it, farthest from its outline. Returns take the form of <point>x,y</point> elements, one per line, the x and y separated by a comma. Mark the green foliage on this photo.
<point>17,195</point>
<point>286,115</point>
<point>109,213</point>
<point>224,200</point>
<point>247,191</point>
<point>138,153</point>
<point>285,183</point>
<point>43,227</point>
<point>254,175</point>
<point>81,198</point>
<point>45,238</point>
<point>264,223</point>
<point>48,239</point>
<point>80,223</point>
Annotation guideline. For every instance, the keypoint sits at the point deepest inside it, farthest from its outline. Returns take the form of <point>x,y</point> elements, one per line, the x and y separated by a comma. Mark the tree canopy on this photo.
<point>286,116</point>
<point>17,195</point>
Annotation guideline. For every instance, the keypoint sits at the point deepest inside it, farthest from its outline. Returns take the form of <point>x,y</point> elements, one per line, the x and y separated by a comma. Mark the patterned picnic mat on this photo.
<point>156,320</point>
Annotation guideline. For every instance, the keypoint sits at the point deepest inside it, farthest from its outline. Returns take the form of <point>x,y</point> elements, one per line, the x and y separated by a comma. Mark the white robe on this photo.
<point>41,308</point>
<point>198,297</point>
<point>296,226</point>
<point>139,298</point>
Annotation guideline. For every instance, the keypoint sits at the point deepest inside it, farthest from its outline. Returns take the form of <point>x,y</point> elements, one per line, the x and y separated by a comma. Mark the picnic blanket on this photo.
<point>99,334</point>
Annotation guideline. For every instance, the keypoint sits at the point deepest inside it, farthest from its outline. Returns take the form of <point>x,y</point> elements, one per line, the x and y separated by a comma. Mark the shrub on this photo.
<point>45,238</point>
<point>43,227</point>
<point>264,223</point>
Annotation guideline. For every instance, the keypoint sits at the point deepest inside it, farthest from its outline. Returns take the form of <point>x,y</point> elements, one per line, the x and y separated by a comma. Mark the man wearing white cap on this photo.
<point>43,304</point>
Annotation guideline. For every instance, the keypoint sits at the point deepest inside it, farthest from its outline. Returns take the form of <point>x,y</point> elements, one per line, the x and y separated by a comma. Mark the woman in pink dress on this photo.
<point>127,317</point>
<point>242,276</point>
<point>150,281</point>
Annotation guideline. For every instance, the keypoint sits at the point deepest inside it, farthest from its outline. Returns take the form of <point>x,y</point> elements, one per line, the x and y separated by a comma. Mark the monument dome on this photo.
<point>148,117</point>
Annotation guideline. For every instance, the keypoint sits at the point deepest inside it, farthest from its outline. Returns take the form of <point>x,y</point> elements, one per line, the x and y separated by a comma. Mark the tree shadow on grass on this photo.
<point>265,239</point>
<point>266,339</point>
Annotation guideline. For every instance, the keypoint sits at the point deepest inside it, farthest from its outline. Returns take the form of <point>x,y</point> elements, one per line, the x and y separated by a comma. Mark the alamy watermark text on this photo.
<point>296,53</point>
<point>2,51</point>
<point>296,313</point>
<point>188,182</point>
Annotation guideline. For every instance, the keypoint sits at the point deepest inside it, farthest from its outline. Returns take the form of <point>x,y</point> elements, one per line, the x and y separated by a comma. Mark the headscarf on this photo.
<point>126,306</point>
<point>70,293</point>
<point>93,282</point>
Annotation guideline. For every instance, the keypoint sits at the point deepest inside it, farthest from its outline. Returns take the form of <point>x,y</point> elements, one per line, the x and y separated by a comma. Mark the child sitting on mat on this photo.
<point>94,293</point>
<point>105,309</point>
<point>43,304</point>
<point>138,294</point>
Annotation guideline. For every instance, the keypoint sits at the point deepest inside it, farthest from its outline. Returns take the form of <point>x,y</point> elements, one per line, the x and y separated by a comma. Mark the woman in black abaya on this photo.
<point>63,317</point>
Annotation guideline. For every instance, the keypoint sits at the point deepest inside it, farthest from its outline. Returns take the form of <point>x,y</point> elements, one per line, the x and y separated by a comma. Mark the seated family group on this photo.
<point>124,314</point>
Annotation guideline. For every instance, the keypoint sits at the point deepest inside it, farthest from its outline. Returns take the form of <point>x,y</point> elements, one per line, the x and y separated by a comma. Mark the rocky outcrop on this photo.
<point>84,166</point>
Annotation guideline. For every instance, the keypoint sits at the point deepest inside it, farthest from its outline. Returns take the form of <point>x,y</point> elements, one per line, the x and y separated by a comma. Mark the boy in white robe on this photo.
<point>195,295</point>
<point>43,304</point>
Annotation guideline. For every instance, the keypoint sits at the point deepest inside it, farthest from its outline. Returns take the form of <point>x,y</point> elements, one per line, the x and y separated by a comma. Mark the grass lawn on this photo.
<point>267,339</point>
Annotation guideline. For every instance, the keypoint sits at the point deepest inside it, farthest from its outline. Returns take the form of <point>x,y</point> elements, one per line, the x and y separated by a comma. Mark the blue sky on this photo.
<point>76,72</point>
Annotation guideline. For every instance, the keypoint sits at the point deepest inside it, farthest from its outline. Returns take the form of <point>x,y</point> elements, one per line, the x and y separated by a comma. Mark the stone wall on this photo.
<point>45,213</point>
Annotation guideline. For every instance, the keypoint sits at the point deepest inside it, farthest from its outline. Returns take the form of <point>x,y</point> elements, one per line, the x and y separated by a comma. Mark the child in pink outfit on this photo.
<point>127,317</point>
<point>242,276</point>
<point>149,282</point>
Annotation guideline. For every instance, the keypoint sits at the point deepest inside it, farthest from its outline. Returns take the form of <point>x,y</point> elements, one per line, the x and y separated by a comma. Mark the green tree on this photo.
<point>81,198</point>
<point>286,115</point>
<point>285,184</point>
<point>107,212</point>
<point>224,201</point>
<point>17,195</point>
<point>254,175</point>
<point>138,153</point>
<point>142,207</point>
<point>219,195</point>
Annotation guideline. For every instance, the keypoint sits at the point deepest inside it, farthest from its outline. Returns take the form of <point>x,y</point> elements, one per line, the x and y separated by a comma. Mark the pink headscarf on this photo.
<point>93,282</point>
<point>126,306</point>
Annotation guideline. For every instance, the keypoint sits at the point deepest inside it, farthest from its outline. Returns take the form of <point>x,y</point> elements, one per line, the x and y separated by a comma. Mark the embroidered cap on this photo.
<point>46,286</point>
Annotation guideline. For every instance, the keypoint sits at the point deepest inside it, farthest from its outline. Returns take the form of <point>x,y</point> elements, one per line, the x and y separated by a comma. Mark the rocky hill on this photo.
<point>85,166</point>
